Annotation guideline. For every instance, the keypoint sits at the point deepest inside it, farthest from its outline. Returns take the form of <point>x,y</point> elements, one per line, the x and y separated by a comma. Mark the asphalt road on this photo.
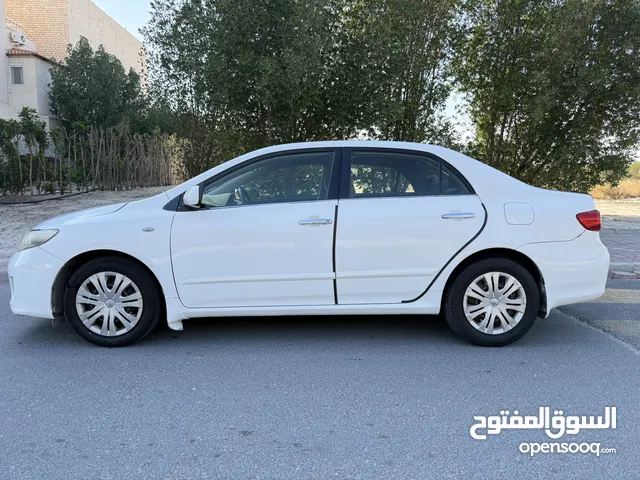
<point>312,398</point>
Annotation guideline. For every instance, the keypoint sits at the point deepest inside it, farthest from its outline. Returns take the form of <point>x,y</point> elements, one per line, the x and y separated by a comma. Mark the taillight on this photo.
<point>590,220</point>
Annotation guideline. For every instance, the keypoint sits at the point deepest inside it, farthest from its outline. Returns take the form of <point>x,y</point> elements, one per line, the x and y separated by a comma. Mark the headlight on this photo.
<point>35,238</point>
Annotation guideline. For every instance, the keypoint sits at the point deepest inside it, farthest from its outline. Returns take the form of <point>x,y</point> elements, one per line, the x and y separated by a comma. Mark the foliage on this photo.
<point>242,74</point>
<point>92,87</point>
<point>627,188</point>
<point>11,175</point>
<point>247,75</point>
<point>22,149</point>
<point>554,87</point>
<point>397,57</point>
<point>34,135</point>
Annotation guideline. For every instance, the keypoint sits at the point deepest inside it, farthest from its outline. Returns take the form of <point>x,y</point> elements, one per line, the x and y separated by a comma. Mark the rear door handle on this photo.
<point>315,221</point>
<point>458,215</point>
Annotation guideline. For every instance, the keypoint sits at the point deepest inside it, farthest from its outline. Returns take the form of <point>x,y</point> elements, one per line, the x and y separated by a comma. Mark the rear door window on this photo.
<point>375,173</point>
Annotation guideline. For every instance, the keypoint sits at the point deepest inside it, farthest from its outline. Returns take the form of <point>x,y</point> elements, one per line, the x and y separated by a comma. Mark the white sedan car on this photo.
<point>327,228</point>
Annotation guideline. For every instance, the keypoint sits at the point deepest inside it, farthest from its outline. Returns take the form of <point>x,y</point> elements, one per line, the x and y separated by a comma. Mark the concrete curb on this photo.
<point>615,275</point>
<point>624,270</point>
<point>624,267</point>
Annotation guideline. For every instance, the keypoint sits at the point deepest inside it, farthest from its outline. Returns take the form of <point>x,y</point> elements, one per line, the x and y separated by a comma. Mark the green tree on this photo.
<point>12,178</point>
<point>398,53</point>
<point>92,87</point>
<point>23,143</point>
<point>554,87</point>
<point>246,74</point>
<point>34,135</point>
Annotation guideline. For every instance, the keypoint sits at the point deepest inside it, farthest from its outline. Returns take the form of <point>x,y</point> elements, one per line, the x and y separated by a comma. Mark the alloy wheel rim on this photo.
<point>494,303</point>
<point>109,304</point>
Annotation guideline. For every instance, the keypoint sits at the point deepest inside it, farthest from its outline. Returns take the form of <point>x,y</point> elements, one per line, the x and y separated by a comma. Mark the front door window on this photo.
<point>294,177</point>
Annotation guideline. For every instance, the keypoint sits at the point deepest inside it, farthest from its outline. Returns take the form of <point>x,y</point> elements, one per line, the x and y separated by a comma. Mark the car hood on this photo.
<point>78,216</point>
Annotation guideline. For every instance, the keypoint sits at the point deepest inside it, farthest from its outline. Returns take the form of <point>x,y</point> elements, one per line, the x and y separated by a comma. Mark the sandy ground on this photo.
<point>620,213</point>
<point>16,219</point>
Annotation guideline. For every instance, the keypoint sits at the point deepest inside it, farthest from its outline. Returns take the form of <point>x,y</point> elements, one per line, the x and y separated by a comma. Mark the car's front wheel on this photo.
<point>492,302</point>
<point>112,302</point>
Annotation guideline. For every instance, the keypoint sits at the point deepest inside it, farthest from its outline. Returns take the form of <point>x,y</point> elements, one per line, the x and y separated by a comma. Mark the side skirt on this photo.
<point>429,304</point>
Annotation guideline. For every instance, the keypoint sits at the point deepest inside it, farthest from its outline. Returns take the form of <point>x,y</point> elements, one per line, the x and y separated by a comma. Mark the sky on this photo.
<point>131,14</point>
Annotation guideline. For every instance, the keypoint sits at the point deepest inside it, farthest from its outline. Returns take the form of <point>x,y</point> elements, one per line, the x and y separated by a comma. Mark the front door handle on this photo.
<point>447,216</point>
<point>315,221</point>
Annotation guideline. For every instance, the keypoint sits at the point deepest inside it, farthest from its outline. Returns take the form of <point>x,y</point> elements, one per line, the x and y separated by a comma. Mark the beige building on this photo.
<point>25,80</point>
<point>35,33</point>
<point>5,109</point>
<point>54,24</point>
<point>29,83</point>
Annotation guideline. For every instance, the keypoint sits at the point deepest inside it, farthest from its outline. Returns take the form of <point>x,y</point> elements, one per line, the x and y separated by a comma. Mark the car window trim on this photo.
<point>346,172</point>
<point>332,193</point>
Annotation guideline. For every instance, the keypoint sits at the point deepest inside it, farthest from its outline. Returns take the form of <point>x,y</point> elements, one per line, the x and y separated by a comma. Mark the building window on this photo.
<point>17,76</point>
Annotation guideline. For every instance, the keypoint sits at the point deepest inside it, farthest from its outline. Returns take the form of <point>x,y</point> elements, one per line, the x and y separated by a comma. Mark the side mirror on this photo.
<point>191,197</point>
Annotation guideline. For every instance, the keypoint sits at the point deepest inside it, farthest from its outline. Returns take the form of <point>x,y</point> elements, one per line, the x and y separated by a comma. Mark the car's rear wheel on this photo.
<point>112,302</point>
<point>492,302</point>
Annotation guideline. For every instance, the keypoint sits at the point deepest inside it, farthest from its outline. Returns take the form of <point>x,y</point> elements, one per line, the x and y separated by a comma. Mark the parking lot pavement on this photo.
<point>623,244</point>
<point>616,312</point>
<point>309,398</point>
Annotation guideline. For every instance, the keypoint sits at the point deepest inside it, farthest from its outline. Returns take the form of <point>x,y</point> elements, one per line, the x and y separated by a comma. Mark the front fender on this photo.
<point>141,230</point>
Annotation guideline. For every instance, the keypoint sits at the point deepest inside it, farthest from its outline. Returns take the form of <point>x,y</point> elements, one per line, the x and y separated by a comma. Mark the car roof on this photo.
<point>424,147</point>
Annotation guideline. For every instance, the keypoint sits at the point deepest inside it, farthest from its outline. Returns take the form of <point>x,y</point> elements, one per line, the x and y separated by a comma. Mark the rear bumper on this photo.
<point>32,273</point>
<point>574,271</point>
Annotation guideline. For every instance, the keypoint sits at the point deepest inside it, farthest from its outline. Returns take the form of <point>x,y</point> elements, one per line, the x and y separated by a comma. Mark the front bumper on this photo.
<point>574,271</point>
<point>32,274</point>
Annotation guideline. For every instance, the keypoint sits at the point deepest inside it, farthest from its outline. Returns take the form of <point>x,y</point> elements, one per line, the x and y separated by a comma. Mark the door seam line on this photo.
<point>333,255</point>
<point>484,224</point>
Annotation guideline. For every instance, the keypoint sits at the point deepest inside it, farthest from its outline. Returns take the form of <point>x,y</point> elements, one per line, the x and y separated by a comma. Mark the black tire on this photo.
<point>152,310</point>
<point>454,298</point>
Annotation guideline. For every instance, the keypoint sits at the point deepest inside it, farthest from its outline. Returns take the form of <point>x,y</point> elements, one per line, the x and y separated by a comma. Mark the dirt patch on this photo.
<point>15,220</point>
<point>620,213</point>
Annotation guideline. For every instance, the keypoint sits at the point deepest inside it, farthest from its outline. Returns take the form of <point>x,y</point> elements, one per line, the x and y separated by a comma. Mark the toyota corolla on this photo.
<point>327,228</point>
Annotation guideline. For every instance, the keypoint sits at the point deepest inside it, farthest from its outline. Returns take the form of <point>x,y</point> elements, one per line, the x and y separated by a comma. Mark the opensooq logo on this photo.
<point>555,426</point>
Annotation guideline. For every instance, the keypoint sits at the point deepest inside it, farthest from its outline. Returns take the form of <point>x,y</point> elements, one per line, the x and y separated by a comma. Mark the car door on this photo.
<point>402,216</point>
<point>262,236</point>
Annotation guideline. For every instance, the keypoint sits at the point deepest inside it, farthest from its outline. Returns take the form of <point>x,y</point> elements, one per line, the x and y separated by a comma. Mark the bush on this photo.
<point>627,188</point>
<point>85,159</point>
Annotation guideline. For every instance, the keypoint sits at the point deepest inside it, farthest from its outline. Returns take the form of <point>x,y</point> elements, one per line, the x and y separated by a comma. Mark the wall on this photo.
<point>52,25</point>
<point>46,22</point>
<point>24,95</point>
<point>4,69</point>
<point>43,80</point>
<point>35,91</point>
<point>88,21</point>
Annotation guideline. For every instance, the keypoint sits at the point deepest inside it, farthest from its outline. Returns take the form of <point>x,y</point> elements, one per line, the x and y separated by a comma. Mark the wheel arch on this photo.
<point>65,273</point>
<point>510,254</point>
